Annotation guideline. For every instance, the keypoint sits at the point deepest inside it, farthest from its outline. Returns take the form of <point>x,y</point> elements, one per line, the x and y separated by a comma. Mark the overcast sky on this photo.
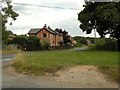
<point>36,17</point>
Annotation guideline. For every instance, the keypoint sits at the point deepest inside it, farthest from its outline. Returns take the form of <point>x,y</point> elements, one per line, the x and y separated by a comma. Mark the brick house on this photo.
<point>47,34</point>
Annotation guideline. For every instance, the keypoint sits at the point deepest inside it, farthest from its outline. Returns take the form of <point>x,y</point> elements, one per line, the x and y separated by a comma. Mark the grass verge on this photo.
<point>9,49</point>
<point>51,61</point>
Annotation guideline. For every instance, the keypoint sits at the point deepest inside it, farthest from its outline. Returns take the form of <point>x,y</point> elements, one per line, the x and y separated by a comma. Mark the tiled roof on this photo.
<point>34,31</point>
<point>51,31</point>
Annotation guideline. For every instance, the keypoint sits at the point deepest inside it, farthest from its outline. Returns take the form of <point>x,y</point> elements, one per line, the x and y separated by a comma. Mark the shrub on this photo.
<point>106,44</point>
<point>79,45</point>
<point>92,46</point>
<point>99,43</point>
<point>83,41</point>
<point>21,41</point>
<point>110,45</point>
<point>45,45</point>
<point>33,43</point>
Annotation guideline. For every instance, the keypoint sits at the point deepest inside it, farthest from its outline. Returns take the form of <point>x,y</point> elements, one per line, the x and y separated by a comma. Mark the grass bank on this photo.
<point>9,49</point>
<point>51,61</point>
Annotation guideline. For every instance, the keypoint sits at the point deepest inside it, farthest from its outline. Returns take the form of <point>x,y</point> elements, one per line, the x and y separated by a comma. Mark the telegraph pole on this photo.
<point>95,31</point>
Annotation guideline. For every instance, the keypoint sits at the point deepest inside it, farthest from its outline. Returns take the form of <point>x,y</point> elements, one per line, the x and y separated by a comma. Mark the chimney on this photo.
<point>45,26</point>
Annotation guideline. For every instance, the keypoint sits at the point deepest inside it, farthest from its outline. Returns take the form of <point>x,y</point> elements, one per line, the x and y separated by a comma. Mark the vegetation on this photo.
<point>105,44</point>
<point>100,44</point>
<point>7,12</point>
<point>33,43</point>
<point>9,49</point>
<point>80,40</point>
<point>47,61</point>
<point>66,37</point>
<point>104,17</point>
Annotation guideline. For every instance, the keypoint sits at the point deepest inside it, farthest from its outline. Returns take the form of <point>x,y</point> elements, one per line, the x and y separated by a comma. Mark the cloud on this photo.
<point>36,17</point>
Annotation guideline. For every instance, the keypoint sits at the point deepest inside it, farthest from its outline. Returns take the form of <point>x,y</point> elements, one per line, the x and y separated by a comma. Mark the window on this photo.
<point>44,35</point>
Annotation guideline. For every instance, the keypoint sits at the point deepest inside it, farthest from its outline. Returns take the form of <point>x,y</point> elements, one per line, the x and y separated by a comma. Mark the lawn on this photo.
<point>50,61</point>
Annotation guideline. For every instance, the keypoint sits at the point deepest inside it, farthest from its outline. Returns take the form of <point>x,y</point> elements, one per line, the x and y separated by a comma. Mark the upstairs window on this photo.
<point>44,35</point>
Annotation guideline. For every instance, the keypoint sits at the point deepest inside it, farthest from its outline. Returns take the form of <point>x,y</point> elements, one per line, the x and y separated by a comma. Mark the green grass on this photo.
<point>51,61</point>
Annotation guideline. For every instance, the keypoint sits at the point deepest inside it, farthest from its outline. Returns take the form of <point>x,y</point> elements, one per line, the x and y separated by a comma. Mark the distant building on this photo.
<point>11,37</point>
<point>47,34</point>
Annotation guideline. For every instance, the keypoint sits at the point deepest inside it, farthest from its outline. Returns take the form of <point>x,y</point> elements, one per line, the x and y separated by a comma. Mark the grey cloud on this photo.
<point>20,29</point>
<point>61,4</point>
<point>54,3</point>
<point>70,25</point>
<point>19,7</point>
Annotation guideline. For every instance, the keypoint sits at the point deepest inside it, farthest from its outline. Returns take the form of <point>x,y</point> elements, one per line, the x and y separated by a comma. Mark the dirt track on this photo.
<point>74,77</point>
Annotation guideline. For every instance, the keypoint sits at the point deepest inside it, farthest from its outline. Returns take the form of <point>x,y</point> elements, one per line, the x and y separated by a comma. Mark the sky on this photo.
<point>36,17</point>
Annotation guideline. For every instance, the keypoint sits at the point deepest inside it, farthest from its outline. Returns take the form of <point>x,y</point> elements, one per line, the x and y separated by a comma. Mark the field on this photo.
<point>40,62</point>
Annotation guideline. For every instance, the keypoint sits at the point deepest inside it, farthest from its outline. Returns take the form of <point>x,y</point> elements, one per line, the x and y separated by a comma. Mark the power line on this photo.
<point>45,6</point>
<point>42,6</point>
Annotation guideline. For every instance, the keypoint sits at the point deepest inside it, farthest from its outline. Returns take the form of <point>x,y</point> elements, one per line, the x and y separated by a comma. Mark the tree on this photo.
<point>33,43</point>
<point>66,37</point>
<point>7,12</point>
<point>104,17</point>
<point>5,35</point>
<point>21,41</point>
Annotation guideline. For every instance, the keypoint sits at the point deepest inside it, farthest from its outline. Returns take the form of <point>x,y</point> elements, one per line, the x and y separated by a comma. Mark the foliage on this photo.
<point>110,45</point>
<point>20,40</point>
<point>80,40</point>
<point>79,45</point>
<point>104,17</point>
<point>83,41</point>
<point>66,37</point>
<point>7,12</point>
<point>100,43</point>
<point>45,45</point>
<point>5,34</point>
<point>33,43</point>
<point>106,44</point>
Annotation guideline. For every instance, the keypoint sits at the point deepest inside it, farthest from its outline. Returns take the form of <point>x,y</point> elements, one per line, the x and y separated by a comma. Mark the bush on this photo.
<point>99,43</point>
<point>33,43</point>
<point>92,46</point>
<point>45,45</point>
<point>79,45</point>
<point>83,41</point>
<point>110,45</point>
<point>106,44</point>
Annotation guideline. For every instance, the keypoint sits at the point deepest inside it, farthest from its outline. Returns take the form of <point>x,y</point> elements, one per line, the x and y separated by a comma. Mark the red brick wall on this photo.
<point>51,38</point>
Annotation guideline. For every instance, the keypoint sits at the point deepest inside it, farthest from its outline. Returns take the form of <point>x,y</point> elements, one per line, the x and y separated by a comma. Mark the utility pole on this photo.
<point>95,31</point>
<point>95,35</point>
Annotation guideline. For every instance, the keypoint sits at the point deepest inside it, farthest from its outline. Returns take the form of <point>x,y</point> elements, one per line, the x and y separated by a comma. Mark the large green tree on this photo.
<point>104,17</point>
<point>7,12</point>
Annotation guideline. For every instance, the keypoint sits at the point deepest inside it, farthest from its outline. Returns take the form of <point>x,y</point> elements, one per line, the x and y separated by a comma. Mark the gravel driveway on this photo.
<point>74,77</point>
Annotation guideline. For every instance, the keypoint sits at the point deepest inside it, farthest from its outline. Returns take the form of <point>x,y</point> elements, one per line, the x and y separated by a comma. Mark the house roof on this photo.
<point>34,30</point>
<point>50,30</point>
